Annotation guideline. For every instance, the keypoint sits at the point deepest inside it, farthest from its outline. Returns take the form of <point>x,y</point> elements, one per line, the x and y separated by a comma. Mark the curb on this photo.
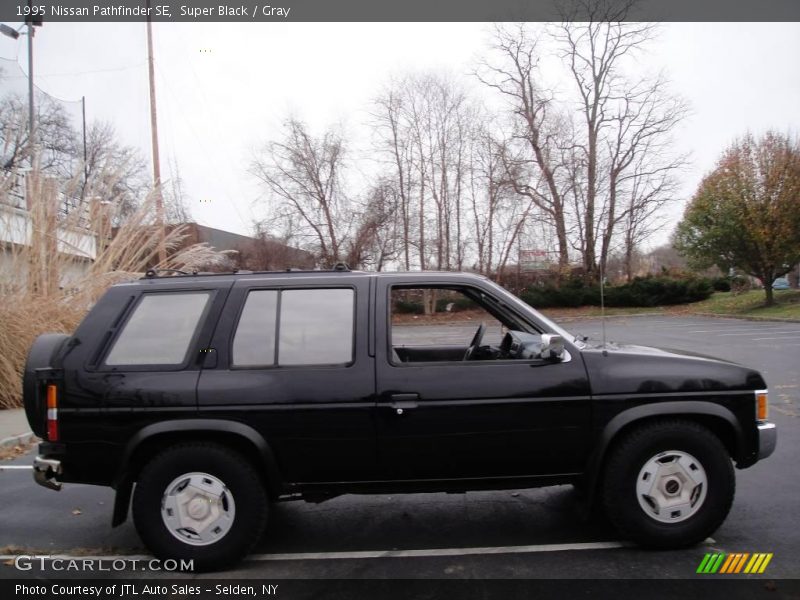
<point>598,317</point>
<point>16,440</point>
<point>749,317</point>
<point>677,315</point>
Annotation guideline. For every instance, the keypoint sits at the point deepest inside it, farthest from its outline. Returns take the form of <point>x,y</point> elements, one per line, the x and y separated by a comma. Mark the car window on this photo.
<point>254,340</point>
<point>160,329</point>
<point>316,327</point>
<point>438,324</point>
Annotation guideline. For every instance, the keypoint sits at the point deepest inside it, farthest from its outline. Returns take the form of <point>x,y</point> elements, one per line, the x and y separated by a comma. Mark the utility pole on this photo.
<point>162,249</point>
<point>31,118</point>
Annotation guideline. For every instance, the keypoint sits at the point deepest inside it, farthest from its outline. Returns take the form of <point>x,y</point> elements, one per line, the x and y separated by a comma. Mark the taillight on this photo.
<point>52,412</point>
<point>762,405</point>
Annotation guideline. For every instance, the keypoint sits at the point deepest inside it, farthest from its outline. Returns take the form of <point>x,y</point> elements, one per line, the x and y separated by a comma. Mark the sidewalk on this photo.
<point>14,428</point>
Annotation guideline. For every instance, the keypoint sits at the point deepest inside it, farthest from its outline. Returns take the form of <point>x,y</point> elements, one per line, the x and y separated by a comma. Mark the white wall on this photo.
<point>16,229</point>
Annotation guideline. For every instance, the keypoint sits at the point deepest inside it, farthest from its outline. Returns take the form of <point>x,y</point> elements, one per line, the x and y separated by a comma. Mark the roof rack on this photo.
<point>339,267</point>
<point>151,273</point>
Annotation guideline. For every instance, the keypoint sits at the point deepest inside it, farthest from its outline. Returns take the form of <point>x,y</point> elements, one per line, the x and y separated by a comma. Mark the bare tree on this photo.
<point>56,148</point>
<point>487,184</point>
<point>534,170</point>
<point>665,258</point>
<point>390,119</point>
<point>649,190</point>
<point>107,166</point>
<point>425,122</point>
<point>176,208</point>
<point>269,253</point>
<point>499,218</point>
<point>376,241</point>
<point>640,169</point>
<point>303,175</point>
<point>601,167</point>
<point>113,170</point>
<point>595,51</point>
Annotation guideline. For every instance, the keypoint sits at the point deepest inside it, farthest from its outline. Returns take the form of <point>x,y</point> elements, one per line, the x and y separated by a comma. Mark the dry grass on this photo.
<point>45,288</point>
<point>749,305</point>
<point>77,551</point>
<point>15,451</point>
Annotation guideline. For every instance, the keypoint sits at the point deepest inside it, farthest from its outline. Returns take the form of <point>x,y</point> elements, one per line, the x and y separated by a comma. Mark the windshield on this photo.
<point>548,323</point>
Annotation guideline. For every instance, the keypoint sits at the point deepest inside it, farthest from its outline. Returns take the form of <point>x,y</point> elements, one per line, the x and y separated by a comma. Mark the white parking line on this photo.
<point>38,556</point>
<point>761,331</point>
<point>377,553</point>
<point>669,325</point>
<point>432,552</point>
<point>7,467</point>
<point>733,329</point>
<point>443,551</point>
<point>776,338</point>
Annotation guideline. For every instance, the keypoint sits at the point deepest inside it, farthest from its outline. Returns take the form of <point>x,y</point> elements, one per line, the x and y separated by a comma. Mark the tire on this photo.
<point>668,484</point>
<point>213,499</point>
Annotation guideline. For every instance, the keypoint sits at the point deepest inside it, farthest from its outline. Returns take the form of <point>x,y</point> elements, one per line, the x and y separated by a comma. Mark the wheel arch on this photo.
<point>718,419</point>
<point>150,440</point>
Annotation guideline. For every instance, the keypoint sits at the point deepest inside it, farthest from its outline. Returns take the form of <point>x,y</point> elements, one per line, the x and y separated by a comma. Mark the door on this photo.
<point>440,416</point>
<point>293,363</point>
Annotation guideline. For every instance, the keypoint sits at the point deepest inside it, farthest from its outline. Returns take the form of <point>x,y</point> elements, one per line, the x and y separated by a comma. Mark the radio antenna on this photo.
<point>602,304</point>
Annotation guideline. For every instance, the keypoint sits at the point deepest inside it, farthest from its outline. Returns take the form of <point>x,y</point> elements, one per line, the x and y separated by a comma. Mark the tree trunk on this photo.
<point>589,260</point>
<point>770,299</point>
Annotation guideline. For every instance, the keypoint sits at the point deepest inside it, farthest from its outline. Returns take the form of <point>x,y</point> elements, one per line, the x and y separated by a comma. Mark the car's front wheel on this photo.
<point>201,502</point>
<point>668,484</point>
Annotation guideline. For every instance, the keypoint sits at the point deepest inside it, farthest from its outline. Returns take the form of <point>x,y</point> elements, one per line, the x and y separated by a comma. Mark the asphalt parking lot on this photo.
<point>508,534</point>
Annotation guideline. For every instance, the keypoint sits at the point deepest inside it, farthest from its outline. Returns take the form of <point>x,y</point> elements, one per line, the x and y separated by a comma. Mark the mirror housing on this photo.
<point>552,347</point>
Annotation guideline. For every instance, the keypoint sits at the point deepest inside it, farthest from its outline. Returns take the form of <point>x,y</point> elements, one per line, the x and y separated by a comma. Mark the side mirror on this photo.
<point>552,346</point>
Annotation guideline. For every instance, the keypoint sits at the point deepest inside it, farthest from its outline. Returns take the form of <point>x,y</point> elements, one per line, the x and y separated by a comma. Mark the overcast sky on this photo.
<point>223,89</point>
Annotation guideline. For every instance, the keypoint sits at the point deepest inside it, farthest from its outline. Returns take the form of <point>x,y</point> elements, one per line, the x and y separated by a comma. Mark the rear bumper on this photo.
<point>767,439</point>
<point>45,472</point>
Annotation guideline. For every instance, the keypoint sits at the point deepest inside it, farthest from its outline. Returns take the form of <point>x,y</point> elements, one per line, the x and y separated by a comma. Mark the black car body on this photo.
<point>298,376</point>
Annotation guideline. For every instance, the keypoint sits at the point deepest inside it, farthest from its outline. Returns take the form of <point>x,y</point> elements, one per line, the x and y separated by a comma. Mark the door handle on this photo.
<point>403,402</point>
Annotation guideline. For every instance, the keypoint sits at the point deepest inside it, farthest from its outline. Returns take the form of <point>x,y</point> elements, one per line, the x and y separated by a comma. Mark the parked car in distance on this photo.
<point>781,283</point>
<point>202,399</point>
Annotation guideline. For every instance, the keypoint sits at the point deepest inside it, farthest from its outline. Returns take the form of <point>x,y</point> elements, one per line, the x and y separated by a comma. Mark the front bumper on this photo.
<point>767,439</point>
<point>45,471</point>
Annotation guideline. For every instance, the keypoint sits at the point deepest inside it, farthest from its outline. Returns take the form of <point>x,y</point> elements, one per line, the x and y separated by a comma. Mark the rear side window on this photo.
<point>313,327</point>
<point>160,330</point>
<point>254,341</point>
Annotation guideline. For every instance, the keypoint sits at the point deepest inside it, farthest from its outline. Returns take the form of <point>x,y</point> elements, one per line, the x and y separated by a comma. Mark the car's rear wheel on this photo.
<point>200,502</point>
<point>668,484</point>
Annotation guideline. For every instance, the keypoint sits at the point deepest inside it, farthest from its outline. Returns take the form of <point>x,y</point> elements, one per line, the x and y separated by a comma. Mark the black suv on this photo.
<point>208,396</point>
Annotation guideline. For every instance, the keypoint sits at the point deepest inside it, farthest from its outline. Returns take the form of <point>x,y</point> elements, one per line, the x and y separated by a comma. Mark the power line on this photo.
<point>74,73</point>
<point>214,122</point>
<point>23,76</point>
<point>70,73</point>
<point>206,152</point>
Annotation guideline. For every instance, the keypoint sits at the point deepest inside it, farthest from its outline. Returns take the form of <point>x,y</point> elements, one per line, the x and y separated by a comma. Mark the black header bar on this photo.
<point>179,588</point>
<point>388,10</point>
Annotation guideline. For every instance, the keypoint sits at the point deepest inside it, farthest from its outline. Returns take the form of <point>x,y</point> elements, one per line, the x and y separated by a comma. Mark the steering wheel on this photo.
<point>476,342</point>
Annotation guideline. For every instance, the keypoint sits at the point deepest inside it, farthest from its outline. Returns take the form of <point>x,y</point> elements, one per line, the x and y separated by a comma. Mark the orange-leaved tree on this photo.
<point>746,212</point>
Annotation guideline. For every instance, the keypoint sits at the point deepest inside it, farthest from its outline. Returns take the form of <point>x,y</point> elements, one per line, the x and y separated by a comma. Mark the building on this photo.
<point>46,245</point>
<point>260,253</point>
